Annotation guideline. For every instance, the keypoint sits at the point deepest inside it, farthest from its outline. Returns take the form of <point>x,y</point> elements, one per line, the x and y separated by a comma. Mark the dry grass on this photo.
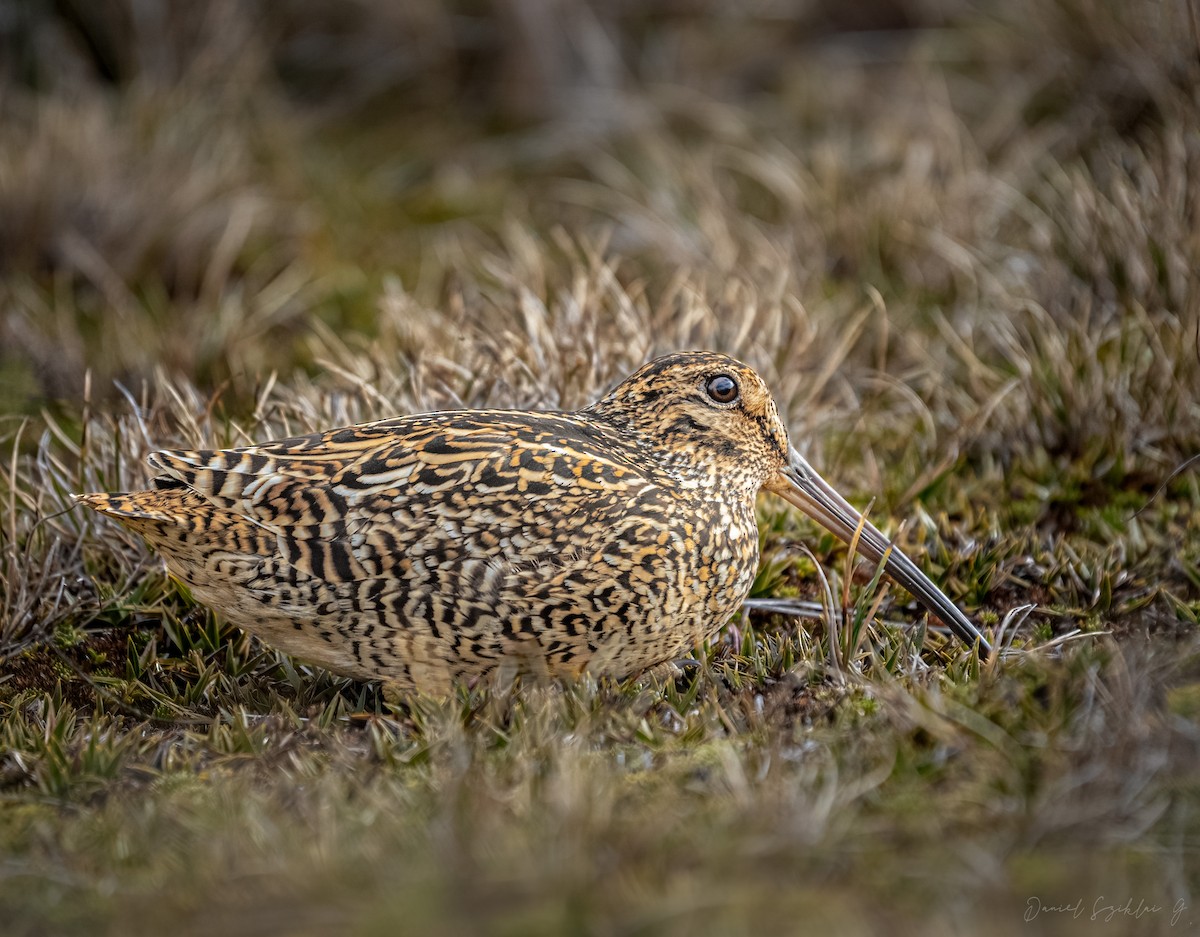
<point>961,245</point>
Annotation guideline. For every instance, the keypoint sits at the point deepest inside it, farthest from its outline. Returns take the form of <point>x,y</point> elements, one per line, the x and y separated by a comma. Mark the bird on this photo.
<point>439,549</point>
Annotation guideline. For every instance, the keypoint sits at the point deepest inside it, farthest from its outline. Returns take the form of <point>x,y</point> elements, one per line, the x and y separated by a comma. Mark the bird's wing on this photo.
<point>352,503</point>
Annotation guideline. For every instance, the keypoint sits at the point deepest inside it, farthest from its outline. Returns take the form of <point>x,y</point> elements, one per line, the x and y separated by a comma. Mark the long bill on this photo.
<point>799,483</point>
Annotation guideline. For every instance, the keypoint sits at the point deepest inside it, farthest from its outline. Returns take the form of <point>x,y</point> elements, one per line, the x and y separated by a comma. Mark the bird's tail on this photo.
<point>141,511</point>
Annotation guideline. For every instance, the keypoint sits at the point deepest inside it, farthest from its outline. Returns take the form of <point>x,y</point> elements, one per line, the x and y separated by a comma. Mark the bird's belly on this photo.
<point>443,613</point>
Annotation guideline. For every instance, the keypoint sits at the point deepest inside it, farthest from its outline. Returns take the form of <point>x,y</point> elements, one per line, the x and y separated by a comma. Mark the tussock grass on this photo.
<point>961,247</point>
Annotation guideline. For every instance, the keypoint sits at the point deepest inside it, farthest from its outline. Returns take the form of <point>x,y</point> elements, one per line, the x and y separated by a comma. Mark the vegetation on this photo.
<point>960,241</point>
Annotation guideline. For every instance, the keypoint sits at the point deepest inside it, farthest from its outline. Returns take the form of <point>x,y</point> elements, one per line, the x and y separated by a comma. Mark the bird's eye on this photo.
<point>722,388</point>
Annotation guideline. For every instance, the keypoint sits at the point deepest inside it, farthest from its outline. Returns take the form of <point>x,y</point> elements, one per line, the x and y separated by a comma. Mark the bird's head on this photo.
<point>704,412</point>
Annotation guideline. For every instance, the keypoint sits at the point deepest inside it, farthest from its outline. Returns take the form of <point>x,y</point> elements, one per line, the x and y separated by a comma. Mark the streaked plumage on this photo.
<point>442,547</point>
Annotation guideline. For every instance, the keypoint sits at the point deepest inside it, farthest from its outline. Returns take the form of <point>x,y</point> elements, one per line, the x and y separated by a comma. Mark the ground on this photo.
<point>959,240</point>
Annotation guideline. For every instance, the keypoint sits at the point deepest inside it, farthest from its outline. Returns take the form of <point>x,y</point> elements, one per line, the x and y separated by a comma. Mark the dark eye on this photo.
<point>722,388</point>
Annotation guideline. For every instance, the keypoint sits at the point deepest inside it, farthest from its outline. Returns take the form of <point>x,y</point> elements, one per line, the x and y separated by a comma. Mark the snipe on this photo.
<point>441,547</point>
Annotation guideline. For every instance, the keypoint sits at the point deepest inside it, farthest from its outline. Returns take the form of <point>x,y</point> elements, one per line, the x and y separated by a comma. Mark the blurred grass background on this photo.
<point>959,238</point>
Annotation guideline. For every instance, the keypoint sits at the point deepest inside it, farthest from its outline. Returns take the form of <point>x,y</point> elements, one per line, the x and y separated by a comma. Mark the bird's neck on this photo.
<point>695,463</point>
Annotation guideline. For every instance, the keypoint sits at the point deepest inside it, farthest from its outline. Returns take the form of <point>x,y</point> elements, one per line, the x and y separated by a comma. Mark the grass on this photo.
<point>957,239</point>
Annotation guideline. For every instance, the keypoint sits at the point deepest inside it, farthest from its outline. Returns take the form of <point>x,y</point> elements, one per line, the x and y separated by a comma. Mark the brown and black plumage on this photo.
<point>443,547</point>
